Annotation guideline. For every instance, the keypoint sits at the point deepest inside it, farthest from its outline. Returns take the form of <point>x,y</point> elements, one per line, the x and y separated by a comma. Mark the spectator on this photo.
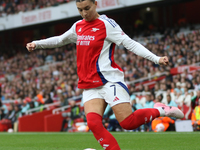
<point>196,117</point>
<point>149,104</point>
<point>48,99</point>
<point>135,107</point>
<point>159,98</point>
<point>178,88</point>
<point>40,98</point>
<point>58,55</point>
<point>3,110</point>
<point>195,100</point>
<point>25,106</point>
<point>171,102</point>
<point>64,100</point>
<point>9,119</point>
<point>17,115</point>
<point>11,114</point>
<point>74,114</point>
<point>113,124</point>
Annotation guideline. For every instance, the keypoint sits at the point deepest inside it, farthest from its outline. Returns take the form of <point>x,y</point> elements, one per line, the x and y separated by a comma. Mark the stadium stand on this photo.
<point>53,77</point>
<point>9,7</point>
<point>46,80</point>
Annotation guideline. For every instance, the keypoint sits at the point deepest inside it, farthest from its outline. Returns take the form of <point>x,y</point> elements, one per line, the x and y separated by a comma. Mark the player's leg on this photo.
<point>94,110</point>
<point>96,105</point>
<point>170,111</point>
<point>119,99</point>
<point>131,120</point>
<point>117,96</point>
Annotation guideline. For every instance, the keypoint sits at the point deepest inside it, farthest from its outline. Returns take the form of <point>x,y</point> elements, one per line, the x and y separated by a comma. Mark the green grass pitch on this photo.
<point>80,141</point>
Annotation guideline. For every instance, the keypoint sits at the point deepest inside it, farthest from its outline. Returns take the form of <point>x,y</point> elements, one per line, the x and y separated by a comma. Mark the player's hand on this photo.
<point>30,47</point>
<point>164,61</point>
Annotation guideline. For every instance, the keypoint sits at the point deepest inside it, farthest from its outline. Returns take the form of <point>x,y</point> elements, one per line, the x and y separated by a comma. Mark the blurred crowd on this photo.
<point>47,76</point>
<point>41,76</point>
<point>8,7</point>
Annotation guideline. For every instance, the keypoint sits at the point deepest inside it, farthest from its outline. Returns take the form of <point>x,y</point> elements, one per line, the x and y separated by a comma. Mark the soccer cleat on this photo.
<point>170,111</point>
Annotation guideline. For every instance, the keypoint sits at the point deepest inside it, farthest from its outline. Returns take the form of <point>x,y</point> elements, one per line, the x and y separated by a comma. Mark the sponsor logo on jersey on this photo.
<point>83,43</point>
<point>86,38</point>
<point>95,29</point>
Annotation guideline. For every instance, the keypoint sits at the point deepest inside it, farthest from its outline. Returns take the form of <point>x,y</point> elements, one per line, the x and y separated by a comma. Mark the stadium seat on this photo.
<point>5,125</point>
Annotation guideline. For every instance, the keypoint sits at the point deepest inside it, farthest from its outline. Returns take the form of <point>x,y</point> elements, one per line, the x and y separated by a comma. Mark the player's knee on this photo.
<point>94,121</point>
<point>126,124</point>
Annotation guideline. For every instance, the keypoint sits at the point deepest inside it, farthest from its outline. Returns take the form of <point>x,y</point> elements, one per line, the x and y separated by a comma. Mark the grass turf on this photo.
<point>80,141</point>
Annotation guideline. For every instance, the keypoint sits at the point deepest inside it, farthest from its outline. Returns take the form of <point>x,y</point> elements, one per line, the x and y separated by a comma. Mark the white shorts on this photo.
<point>112,93</point>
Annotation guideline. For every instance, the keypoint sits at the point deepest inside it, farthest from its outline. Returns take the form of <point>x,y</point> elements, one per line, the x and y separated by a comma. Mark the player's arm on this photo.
<point>53,42</point>
<point>140,50</point>
<point>116,35</point>
<point>30,46</point>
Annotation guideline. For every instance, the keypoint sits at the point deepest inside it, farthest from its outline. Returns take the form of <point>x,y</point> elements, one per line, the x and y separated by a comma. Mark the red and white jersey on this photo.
<point>95,42</point>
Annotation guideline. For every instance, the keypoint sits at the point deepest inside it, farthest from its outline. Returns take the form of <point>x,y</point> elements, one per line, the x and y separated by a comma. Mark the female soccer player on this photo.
<point>100,77</point>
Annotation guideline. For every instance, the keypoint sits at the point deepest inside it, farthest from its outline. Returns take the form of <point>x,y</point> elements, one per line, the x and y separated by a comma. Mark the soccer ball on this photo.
<point>160,127</point>
<point>89,149</point>
<point>10,130</point>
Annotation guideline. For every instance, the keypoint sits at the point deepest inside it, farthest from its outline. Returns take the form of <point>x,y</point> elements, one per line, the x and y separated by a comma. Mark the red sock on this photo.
<point>105,138</point>
<point>139,117</point>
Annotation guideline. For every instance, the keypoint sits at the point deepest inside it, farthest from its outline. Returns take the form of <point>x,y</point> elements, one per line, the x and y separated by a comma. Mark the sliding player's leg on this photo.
<point>129,120</point>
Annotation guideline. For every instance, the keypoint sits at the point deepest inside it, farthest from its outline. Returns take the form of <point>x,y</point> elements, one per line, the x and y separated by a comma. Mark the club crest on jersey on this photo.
<point>95,29</point>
